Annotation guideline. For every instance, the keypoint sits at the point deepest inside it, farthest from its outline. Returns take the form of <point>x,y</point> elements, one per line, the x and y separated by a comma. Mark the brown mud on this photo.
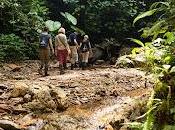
<point>94,97</point>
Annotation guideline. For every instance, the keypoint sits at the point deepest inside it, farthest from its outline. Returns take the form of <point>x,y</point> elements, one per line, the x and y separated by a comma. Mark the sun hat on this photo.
<point>86,36</point>
<point>61,30</point>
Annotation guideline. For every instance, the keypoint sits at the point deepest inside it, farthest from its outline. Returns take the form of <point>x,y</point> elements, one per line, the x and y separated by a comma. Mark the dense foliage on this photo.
<point>22,17</point>
<point>159,57</point>
<point>100,19</point>
<point>19,22</point>
<point>105,18</point>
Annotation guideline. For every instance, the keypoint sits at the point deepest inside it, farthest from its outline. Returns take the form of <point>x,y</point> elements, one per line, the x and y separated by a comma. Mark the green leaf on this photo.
<point>137,41</point>
<point>172,69</point>
<point>78,30</point>
<point>166,66</point>
<point>69,17</point>
<point>143,15</point>
<point>154,5</point>
<point>156,28</point>
<point>169,127</point>
<point>63,14</point>
<point>136,125</point>
<point>53,26</point>
<point>170,37</point>
<point>167,59</point>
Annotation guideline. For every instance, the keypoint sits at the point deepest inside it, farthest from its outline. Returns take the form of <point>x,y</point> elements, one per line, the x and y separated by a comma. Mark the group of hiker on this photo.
<point>64,48</point>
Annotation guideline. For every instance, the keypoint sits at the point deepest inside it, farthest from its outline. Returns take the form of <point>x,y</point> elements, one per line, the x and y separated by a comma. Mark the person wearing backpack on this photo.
<point>45,46</point>
<point>62,49</point>
<point>85,49</point>
<point>72,41</point>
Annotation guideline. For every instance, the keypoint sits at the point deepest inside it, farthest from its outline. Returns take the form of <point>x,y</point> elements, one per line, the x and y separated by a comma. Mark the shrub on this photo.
<point>13,48</point>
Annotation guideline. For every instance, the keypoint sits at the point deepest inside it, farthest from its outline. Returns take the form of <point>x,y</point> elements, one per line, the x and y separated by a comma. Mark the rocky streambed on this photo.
<point>99,98</point>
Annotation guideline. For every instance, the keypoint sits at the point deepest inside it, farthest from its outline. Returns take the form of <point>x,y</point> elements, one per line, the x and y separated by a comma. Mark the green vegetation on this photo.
<point>99,19</point>
<point>159,60</point>
<point>22,20</point>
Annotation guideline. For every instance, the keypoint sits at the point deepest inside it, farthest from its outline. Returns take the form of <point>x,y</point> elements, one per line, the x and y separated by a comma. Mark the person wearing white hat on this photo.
<point>85,48</point>
<point>62,49</point>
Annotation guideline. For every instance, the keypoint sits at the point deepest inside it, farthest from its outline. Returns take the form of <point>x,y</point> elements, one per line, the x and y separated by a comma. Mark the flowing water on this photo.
<point>97,116</point>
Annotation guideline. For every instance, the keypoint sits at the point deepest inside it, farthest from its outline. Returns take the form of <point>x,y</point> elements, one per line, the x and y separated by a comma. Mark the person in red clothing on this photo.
<point>62,49</point>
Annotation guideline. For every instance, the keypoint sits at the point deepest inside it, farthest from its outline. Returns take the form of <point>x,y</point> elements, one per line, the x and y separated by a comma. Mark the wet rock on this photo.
<point>49,96</point>
<point>102,93</point>
<point>19,77</point>
<point>76,102</point>
<point>114,93</point>
<point>9,125</point>
<point>27,98</point>
<point>74,85</point>
<point>3,87</point>
<point>51,127</point>
<point>20,89</point>
<point>18,111</point>
<point>62,85</point>
<point>38,125</point>
<point>5,108</point>
<point>45,98</point>
<point>124,61</point>
<point>60,98</point>
<point>34,89</point>
<point>116,125</point>
<point>1,91</point>
<point>15,101</point>
<point>66,122</point>
<point>35,105</point>
<point>105,127</point>
<point>31,122</point>
<point>84,100</point>
<point>14,67</point>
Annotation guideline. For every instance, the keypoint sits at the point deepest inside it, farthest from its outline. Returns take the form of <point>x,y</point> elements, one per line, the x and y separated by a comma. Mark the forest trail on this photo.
<point>91,99</point>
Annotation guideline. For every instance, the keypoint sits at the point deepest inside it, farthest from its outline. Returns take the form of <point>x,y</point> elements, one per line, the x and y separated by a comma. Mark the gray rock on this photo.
<point>9,125</point>
<point>27,98</point>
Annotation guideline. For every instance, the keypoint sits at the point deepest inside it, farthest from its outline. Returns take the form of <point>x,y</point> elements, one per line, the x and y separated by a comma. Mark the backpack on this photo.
<point>44,40</point>
<point>71,39</point>
<point>85,46</point>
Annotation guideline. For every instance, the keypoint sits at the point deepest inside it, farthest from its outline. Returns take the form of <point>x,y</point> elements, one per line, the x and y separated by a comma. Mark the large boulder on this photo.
<point>106,50</point>
<point>124,61</point>
<point>60,97</point>
<point>20,89</point>
<point>45,98</point>
<point>48,96</point>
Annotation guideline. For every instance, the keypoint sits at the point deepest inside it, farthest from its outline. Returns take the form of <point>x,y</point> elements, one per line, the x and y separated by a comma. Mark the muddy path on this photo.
<point>88,100</point>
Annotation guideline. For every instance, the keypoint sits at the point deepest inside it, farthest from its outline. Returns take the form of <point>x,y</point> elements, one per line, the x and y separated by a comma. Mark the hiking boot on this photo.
<point>65,66</point>
<point>46,74</point>
<point>40,71</point>
<point>61,69</point>
<point>62,72</point>
<point>46,71</point>
<point>76,65</point>
<point>72,66</point>
<point>83,66</point>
